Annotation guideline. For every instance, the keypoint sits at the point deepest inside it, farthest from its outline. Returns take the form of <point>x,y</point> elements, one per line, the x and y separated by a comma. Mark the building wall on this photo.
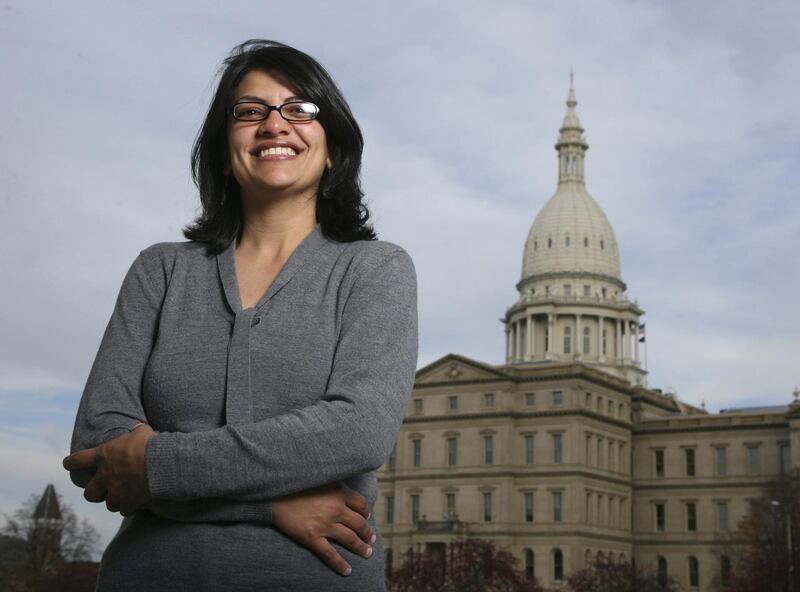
<point>607,477</point>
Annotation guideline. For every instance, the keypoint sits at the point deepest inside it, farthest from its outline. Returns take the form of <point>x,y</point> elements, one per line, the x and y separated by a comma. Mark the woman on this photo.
<point>251,380</point>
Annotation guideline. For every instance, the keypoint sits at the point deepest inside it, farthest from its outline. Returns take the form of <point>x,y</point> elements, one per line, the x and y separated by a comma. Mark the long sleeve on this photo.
<point>349,431</point>
<point>111,404</point>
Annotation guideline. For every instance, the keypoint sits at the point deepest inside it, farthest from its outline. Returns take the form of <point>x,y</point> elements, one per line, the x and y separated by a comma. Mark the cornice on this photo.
<point>462,474</point>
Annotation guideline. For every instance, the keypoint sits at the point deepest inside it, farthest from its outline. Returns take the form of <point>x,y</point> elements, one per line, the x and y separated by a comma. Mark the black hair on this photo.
<point>340,210</point>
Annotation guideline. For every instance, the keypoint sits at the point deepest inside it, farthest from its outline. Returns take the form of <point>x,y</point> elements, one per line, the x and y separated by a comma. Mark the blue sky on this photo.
<point>690,111</point>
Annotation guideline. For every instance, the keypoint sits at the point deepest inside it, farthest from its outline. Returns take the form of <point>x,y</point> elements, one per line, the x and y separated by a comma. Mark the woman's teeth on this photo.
<point>283,151</point>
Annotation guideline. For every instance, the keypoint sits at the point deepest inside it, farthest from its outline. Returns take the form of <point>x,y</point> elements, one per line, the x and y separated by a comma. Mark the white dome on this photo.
<point>571,233</point>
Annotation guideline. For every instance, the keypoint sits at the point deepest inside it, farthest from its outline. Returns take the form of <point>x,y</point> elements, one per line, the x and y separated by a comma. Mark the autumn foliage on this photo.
<point>467,565</point>
<point>606,574</point>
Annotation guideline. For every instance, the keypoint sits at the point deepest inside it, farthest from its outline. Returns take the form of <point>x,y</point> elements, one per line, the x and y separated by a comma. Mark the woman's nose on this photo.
<point>274,124</point>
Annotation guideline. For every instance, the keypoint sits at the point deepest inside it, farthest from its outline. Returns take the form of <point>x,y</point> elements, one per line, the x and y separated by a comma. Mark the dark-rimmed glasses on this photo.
<point>292,111</point>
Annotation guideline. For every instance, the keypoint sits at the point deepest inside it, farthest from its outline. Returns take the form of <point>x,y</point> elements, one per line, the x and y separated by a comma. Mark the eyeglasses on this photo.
<point>291,111</point>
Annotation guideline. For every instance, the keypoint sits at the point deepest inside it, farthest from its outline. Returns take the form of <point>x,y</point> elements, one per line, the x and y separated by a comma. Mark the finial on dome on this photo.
<point>571,101</point>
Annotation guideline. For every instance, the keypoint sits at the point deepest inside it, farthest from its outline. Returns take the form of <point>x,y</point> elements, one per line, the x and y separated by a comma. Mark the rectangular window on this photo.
<point>691,517</point>
<point>659,462</point>
<point>660,517</point>
<point>488,449</point>
<point>587,290</point>
<point>558,398</point>
<point>556,506</point>
<point>487,506</point>
<point>530,399</point>
<point>417,452</point>
<point>557,452</point>
<point>753,460</point>
<point>389,509</point>
<point>786,459</point>
<point>451,505</point>
<point>414,508</point>
<point>689,452</point>
<point>722,461</point>
<point>529,449</point>
<point>722,512</point>
<point>567,290</point>
<point>452,402</point>
<point>529,506</point>
<point>417,405</point>
<point>488,400</point>
<point>451,452</point>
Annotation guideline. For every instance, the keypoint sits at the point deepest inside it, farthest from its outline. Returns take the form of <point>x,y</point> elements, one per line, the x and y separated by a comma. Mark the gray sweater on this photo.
<point>308,387</point>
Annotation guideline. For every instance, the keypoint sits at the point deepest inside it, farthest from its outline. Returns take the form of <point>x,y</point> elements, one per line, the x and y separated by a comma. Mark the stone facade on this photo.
<point>564,451</point>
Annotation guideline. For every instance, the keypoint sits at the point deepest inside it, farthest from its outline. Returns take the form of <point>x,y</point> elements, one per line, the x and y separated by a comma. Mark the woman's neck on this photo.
<point>272,229</point>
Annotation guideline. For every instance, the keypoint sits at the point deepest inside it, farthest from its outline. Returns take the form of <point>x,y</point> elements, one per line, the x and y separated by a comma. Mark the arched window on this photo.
<point>602,244</point>
<point>587,339</point>
<point>535,245</point>
<point>549,242</point>
<point>558,565</point>
<point>567,340</point>
<point>725,571</point>
<point>662,571</point>
<point>585,241</point>
<point>566,241</point>
<point>694,572</point>
<point>530,569</point>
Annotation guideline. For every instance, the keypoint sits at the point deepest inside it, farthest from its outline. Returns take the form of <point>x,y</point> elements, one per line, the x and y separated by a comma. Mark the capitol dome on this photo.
<point>571,233</point>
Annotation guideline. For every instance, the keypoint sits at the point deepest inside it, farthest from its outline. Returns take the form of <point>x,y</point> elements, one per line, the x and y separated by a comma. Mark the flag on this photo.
<point>641,333</point>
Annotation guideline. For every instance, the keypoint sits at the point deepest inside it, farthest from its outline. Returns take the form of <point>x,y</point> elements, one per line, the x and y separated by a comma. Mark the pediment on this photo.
<point>455,368</point>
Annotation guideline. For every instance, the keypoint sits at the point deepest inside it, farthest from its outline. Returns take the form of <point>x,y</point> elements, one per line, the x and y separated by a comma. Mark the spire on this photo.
<point>571,144</point>
<point>47,508</point>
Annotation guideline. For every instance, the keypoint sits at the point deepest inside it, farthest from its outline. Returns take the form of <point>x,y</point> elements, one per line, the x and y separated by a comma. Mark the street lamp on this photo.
<point>777,504</point>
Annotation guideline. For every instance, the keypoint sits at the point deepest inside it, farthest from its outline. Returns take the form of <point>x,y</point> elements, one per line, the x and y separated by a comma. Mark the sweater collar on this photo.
<point>305,254</point>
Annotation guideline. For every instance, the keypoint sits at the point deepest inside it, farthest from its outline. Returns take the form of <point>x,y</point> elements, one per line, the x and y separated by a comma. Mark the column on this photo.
<point>600,322</point>
<point>518,353</point>
<point>618,342</point>
<point>550,336</point>
<point>636,341</point>
<point>508,344</point>
<point>529,352</point>
<point>626,340</point>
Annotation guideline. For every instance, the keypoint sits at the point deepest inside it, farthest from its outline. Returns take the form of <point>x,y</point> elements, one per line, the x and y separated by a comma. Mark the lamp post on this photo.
<point>776,504</point>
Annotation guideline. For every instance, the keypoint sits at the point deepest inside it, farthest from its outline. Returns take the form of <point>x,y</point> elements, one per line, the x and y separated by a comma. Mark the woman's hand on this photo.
<point>328,512</point>
<point>121,478</point>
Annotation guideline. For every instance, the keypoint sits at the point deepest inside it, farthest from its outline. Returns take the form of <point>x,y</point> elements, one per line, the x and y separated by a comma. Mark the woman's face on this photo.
<point>275,156</point>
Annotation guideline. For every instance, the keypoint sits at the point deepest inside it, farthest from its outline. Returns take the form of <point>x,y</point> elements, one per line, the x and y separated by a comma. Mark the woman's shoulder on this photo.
<point>365,257</point>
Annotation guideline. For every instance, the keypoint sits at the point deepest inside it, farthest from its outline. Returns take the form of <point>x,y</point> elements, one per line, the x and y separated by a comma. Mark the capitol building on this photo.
<point>564,451</point>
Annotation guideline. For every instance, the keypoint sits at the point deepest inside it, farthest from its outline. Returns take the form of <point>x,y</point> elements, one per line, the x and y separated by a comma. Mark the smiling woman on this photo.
<point>252,379</point>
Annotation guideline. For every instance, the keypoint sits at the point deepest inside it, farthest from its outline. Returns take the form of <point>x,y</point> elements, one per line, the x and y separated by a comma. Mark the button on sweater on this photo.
<point>308,387</point>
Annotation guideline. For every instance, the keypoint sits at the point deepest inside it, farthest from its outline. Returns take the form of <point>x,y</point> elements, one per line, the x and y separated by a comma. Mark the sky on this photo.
<point>690,111</point>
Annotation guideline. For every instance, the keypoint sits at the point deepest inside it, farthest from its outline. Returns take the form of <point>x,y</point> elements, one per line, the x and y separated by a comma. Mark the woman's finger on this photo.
<point>112,507</point>
<point>330,556</point>
<point>81,460</point>
<point>357,502</point>
<point>349,539</point>
<point>356,523</point>
<point>95,491</point>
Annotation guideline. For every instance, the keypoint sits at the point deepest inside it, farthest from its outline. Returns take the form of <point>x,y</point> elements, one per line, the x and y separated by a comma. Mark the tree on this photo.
<point>465,565</point>
<point>607,574</point>
<point>756,555</point>
<point>39,540</point>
